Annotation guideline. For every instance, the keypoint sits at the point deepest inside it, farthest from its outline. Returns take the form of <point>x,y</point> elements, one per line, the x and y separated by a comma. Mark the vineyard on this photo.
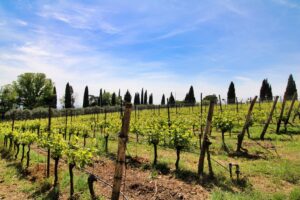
<point>232,151</point>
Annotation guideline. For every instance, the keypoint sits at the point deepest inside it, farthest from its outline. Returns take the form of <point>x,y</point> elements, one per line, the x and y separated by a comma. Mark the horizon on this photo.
<point>161,46</point>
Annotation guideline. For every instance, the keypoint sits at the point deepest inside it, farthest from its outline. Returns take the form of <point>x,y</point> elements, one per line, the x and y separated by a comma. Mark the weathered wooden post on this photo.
<point>262,135</point>
<point>169,117</point>
<point>281,114</point>
<point>206,142</point>
<point>297,112</point>
<point>220,103</point>
<point>242,134</point>
<point>201,104</point>
<point>286,121</point>
<point>120,163</point>
<point>91,179</point>
<point>237,105</point>
<point>201,115</point>
<point>49,132</point>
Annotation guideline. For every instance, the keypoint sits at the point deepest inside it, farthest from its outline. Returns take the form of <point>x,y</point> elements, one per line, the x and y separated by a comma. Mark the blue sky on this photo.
<point>161,45</point>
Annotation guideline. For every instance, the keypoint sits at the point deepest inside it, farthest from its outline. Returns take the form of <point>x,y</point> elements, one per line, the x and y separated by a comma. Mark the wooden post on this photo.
<point>169,117</point>
<point>237,105</point>
<point>281,114</point>
<point>242,134</point>
<point>121,109</point>
<point>205,142</point>
<point>13,121</point>
<point>201,105</point>
<point>120,163</point>
<point>66,124</point>
<point>262,135</point>
<point>201,116</point>
<point>220,103</point>
<point>49,132</point>
<point>290,111</point>
<point>297,112</point>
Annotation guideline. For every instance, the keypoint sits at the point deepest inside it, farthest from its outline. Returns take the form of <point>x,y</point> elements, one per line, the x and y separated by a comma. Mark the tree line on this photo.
<point>32,90</point>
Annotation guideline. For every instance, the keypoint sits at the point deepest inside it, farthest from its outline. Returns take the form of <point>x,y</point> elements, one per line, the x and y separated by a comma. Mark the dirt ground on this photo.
<point>138,184</point>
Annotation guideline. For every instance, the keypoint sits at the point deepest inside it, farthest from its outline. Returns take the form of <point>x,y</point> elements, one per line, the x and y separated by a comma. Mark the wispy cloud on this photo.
<point>288,3</point>
<point>79,16</point>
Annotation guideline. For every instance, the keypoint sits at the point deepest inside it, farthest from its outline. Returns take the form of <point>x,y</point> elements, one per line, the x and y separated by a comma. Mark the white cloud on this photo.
<point>242,78</point>
<point>21,22</point>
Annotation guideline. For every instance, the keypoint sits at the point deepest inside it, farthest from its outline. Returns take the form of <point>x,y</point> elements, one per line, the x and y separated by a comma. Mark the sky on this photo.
<point>161,45</point>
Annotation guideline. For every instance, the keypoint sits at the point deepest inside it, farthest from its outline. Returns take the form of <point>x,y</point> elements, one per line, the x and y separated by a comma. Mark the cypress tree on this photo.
<point>136,100</point>
<point>86,97</point>
<point>54,101</point>
<point>191,96</point>
<point>113,99</point>
<point>72,97</point>
<point>231,94</point>
<point>163,100</point>
<point>142,96</point>
<point>186,99</point>
<point>145,98</point>
<point>263,91</point>
<point>151,99</point>
<point>291,88</point>
<point>269,93</point>
<point>127,97</point>
<point>68,96</point>
<point>171,99</point>
<point>100,99</point>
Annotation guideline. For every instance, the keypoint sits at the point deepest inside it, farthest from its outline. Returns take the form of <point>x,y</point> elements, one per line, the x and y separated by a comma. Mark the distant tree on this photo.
<point>190,97</point>
<point>8,98</point>
<point>145,98</point>
<point>163,100</point>
<point>291,88</point>
<point>100,98</point>
<point>86,97</point>
<point>113,99</point>
<point>270,93</point>
<point>231,94</point>
<point>265,91</point>
<point>142,96</point>
<point>54,101</point>
<point>212,97</point>
<point>106,98</point>
<point>171,100</point>
<point>136,99</point>
<point>33,90</point>
<point>127,97</point>
<point>69,96</point>
<point>72,97</point>
<point>151,99</point>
